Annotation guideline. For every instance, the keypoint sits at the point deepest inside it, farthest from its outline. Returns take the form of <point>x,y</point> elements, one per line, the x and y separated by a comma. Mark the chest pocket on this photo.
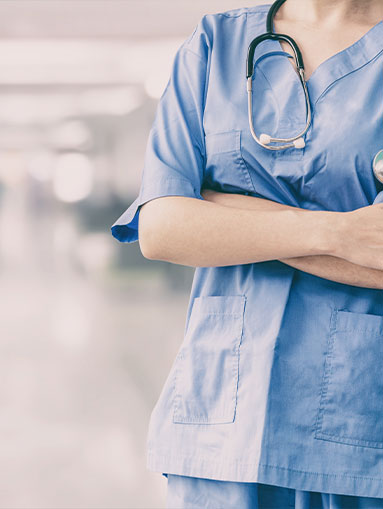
<point>236,164</point>
<point>226,170</point>
<point>207,366</point>
<point>351,405</point>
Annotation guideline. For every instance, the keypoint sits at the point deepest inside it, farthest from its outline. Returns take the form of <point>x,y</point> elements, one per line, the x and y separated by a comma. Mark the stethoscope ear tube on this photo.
<point>274,37</point>
<point>271,15</point>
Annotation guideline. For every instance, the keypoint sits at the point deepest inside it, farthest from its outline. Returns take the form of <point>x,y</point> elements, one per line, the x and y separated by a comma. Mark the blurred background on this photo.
<point>89,327</point>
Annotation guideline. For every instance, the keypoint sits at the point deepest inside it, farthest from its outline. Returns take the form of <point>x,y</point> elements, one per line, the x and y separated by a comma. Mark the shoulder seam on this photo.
<point>258,9</point>
<point>231,15</point>
<point>185,48</point>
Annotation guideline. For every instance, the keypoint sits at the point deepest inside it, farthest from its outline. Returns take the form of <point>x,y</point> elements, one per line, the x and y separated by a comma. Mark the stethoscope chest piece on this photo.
<point>377,166</point>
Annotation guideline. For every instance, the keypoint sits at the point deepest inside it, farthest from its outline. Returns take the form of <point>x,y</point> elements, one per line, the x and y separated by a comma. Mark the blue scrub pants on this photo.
<point>196,493</point>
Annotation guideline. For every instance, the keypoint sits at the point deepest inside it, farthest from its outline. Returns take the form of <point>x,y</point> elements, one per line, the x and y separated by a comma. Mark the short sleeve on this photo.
<point>175,152</point>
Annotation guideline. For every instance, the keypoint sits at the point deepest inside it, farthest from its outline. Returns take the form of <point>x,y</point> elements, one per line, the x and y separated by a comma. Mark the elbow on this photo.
<point>148,229</point>
<point>161,230</point>
<point>148,245</point>
<point>146,249</point>
<point>149,251</point>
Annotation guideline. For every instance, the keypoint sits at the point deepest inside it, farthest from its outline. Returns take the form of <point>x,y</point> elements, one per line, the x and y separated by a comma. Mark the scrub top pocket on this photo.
<point>225,167</point>
<point>351,406</point>
<point>207,366</point>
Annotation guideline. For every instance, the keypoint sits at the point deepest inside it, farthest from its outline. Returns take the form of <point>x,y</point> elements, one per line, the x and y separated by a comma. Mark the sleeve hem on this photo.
<point>125,228</point>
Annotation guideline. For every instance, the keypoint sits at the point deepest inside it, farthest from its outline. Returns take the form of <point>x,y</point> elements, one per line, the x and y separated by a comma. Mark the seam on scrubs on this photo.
<point>321,473</point>
<point>228,15</point>
<point>237,315</point>
<point>238,348</point>
<point>203,108</point>
<point>206,62</point>
<point>185,410</point>
<point>373,332</point>
<point>194,53</point>
<point>125,228</point>
<point>229,142</point>
<point>275,98</point>
<point>327,372</point>
<point>175,178</point>
<point>343,439</point>
<point>347,74</point>
<point>151,191</point>
<point>247,175</point>
<point>322,384</point>
<point>168,178</point>
<point>307,472</point>
<point>154,132</point>
<point>207,81</point>
<point>242,162</point>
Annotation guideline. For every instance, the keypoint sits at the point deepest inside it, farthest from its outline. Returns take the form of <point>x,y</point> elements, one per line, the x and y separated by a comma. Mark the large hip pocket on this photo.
<point>207,365</point>
<point>351,404</point>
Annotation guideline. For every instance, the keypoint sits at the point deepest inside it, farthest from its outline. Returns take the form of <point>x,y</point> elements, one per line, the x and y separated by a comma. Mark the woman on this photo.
<point>275,398</point>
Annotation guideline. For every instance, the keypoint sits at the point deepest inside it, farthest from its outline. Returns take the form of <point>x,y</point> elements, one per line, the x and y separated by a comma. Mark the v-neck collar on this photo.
<point>335,67</point>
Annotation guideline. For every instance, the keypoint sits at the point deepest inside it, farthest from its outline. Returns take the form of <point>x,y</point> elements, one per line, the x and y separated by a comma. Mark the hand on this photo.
<point>359,238</point>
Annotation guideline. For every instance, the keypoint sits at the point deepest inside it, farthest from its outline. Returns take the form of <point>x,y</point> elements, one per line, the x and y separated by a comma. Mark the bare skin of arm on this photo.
<point>203,233</point>
<point>200,233</point>
<point>322,265</point>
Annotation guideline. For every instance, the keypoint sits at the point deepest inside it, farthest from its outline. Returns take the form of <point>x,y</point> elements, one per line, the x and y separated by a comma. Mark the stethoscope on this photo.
<point>295,141</point>
<point>265,139</point>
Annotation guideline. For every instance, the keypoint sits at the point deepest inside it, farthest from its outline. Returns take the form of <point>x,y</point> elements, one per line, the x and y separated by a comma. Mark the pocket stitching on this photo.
<point>326,382</point>
<point>241,163</point>
<point>326,373</point>
<point>233,387</point>
<point>373,331</point>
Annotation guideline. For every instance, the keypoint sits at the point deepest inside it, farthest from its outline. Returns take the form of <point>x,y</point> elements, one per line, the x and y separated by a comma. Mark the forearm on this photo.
<point>325,266</point>
<point>200,233</point>
<point>338,270</point>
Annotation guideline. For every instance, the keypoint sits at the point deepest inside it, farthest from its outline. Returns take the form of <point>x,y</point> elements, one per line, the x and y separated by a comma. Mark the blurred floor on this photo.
<point>78,388</point>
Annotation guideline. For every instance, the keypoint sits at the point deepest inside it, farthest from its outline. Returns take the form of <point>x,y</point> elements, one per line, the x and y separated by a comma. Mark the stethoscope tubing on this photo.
<point>264,140</point>
<point>278,140</point>
<point>296,141</point>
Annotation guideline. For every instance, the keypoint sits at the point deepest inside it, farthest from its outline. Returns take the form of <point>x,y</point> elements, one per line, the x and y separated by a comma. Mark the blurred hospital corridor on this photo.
<point>89,327</point>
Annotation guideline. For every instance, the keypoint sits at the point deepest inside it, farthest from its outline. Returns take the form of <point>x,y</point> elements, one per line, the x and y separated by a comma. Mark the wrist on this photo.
<point>331,229</point>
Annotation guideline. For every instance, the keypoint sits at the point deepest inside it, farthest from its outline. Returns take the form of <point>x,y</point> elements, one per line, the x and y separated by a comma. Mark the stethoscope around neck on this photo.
<point>296,141</point>
<point>265,139</point>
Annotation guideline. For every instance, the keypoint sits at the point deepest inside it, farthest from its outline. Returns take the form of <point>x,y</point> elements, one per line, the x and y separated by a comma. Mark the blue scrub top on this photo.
<point>279,377</point>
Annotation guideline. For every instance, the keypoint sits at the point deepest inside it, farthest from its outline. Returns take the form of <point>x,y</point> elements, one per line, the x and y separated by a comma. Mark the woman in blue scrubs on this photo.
<point>275,397</point>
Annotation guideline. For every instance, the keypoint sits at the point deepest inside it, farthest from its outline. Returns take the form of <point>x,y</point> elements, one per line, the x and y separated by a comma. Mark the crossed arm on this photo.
<point>325,266</point>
